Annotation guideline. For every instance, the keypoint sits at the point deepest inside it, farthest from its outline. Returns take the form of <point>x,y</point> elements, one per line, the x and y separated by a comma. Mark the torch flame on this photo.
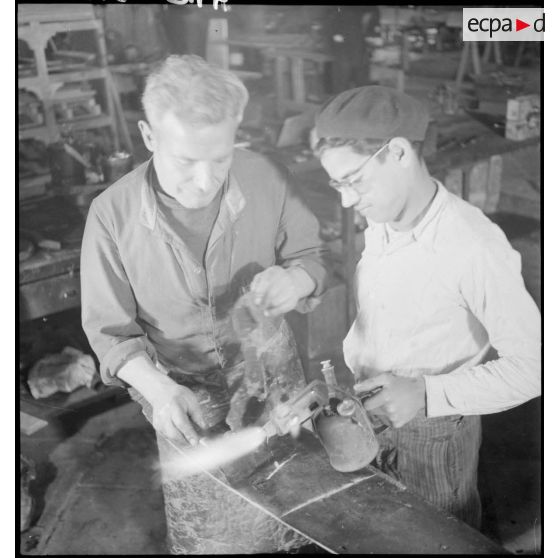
<point>213,453</point>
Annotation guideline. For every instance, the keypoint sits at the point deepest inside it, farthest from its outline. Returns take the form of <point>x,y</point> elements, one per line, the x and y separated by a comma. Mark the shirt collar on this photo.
<point>425,231</point>
<point>148,206</point>
<point>233,199</point>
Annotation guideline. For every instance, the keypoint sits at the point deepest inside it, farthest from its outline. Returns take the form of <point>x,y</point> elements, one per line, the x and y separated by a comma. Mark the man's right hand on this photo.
<point>174,409</point>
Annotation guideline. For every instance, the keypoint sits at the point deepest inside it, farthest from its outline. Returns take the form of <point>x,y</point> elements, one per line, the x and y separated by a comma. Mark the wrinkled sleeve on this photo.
<point>108,307</point>
<point>494,292</point>
<point>299,244</point>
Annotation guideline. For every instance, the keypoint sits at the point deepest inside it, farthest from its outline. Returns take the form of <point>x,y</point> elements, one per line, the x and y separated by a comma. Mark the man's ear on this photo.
<point>147,135</point>
<point>402,150</point>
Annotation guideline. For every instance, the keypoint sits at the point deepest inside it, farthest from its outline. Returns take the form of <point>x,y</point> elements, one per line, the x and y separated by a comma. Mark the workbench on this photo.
<point>49,279</point>
<point>488,133</point>
<point>365,512</point>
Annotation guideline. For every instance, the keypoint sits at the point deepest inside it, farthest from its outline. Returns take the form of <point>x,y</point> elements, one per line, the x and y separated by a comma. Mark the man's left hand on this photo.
<point>400,398</point>
<point>278,290</point>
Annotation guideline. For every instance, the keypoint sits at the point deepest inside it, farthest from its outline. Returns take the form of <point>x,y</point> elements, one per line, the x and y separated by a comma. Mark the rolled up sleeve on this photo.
<point>108,307</point>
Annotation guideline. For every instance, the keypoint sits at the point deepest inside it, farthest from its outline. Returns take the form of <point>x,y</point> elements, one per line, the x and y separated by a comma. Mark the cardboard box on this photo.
<point>518,130</point>
<point>520,107</point>
<point>523,117</point>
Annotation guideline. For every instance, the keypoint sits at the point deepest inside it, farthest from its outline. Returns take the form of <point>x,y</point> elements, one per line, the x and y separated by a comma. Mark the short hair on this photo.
<point>360,146</point>
<point>194,90</point>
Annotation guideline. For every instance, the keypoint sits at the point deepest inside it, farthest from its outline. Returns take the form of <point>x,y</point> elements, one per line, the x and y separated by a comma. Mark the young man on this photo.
<point>437,285</point>
<point>167,252</point>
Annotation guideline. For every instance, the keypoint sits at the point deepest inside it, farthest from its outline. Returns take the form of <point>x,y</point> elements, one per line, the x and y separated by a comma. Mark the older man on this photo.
<point>168,251</point>
<point>437,285</point>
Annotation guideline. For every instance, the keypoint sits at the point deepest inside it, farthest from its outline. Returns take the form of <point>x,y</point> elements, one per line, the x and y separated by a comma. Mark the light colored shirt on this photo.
<point>431,302</point>
<point>144,291</point>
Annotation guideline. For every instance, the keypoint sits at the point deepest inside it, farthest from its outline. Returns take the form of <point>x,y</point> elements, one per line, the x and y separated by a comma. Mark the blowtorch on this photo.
<point>338,418</point>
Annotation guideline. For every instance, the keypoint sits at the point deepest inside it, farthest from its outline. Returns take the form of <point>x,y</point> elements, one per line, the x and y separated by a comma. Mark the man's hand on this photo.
<point>400,398</point>
<point>174,409</point>
<point>278,290</point>
<point>174,406</point>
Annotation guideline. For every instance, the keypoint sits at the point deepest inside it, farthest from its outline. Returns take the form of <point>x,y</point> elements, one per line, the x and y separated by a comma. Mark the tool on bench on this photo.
<point>40,239</point>
<point>453,143</point>
<point>344,427</point>
<point>339,419</point>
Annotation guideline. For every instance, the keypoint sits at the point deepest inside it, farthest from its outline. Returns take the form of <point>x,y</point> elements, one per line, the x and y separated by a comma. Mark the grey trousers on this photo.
<point>437,458</point>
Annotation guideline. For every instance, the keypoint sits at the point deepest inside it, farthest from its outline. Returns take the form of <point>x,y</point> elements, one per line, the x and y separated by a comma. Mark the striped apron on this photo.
<point>437,458</point>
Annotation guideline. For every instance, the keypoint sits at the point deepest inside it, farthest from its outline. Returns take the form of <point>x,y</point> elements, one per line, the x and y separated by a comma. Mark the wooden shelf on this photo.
<point>34,180</point>
<point>30,81</point>
<point>78,75</point>
<point>54,12</point>
<point>34,132</point>
<point>87,123</point>
<point>50,28</point>
<point>246,74</point>
<point>75,75</point>
<point>33,186</point>
<point>35,26</point>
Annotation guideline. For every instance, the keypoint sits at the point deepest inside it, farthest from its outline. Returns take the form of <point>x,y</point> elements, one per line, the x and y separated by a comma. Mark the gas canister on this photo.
<point>344,428</point>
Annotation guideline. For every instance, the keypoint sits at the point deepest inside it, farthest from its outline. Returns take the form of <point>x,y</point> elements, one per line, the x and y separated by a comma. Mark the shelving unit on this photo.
<point>37,26</point>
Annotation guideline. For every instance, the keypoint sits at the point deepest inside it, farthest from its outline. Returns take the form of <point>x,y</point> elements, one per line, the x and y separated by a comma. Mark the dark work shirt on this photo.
<point>193,226</point>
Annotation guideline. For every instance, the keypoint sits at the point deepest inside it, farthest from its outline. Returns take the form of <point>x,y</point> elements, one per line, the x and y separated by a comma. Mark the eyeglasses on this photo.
<point>347,182</point>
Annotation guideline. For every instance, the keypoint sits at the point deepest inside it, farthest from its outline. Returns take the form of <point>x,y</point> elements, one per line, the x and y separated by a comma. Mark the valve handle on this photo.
<point>367,394</point>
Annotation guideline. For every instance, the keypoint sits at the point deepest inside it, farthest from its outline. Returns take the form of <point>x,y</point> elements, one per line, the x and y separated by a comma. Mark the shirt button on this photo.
<point>197,270</point>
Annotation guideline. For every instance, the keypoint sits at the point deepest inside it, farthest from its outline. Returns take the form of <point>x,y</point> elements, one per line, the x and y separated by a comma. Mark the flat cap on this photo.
<point>372,112</point>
